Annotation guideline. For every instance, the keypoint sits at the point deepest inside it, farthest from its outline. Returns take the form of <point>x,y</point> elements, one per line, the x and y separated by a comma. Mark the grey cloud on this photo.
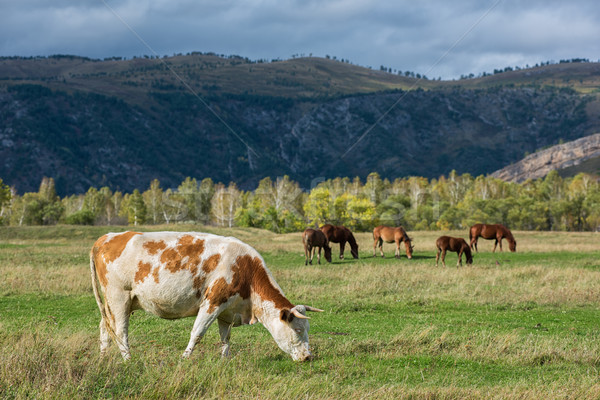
<point>405,35</point>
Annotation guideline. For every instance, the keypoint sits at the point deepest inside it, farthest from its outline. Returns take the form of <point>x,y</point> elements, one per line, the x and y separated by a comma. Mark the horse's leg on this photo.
<point>444,258</point>
<point>397,253</point>
<point>311,251</point>
<point>306,254</point>
<point>342,245</point>
<point>319,256</point>
<point>437,256</point>
<point>459,263</point>
<point>500,242</point>
<point>495,244</point>
<point>375,241</point>
<point>473,243</point>
<point>381,246</point>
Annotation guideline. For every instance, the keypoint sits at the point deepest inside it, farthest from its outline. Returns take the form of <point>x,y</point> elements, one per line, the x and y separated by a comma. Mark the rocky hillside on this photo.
<point>568,158</point>
<point>123,123</point>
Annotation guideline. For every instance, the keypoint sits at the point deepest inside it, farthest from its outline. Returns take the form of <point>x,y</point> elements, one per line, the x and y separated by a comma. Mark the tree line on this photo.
<point>281,205</point>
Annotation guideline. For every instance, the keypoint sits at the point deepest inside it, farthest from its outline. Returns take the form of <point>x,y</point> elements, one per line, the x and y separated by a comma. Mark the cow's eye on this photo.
<point>298,330</point>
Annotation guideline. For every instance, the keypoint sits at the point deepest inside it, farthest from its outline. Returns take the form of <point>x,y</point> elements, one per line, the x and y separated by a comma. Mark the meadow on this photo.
<point>513,325</point>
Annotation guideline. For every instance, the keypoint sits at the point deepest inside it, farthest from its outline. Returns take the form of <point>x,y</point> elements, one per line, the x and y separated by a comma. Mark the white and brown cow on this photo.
<point>175,275</point>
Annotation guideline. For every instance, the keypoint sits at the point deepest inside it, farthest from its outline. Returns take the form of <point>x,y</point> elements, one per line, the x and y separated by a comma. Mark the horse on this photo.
<point>312,239</point>
<point>459,245</point>
<point>386,234</point>
<point>341,235</point>
<point>492,231</point>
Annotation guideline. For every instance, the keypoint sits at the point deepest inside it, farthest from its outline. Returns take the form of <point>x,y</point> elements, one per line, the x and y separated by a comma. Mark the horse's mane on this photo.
<point>405,235</point>
<point>350,238</point>
<point>508,234</point>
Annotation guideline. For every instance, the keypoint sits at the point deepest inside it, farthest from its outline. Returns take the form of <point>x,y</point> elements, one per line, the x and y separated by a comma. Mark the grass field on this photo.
<point>514,325</point>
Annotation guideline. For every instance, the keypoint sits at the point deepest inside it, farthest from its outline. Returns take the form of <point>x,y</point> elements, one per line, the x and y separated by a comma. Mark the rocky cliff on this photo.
<point>560,157</point>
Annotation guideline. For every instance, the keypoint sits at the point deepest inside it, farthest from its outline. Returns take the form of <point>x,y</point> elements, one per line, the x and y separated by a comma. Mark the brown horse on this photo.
<point>492,231</point>
<point>341,235</point>
<point>386,234</point>
<point>312,239</point>
<point>445,243</point>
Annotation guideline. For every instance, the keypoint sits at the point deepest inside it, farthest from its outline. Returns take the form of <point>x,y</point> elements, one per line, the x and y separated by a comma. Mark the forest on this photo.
<point>280,205</point>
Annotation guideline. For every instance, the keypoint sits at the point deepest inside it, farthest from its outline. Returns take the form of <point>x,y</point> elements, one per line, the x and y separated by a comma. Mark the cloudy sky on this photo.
<point>438,38</point>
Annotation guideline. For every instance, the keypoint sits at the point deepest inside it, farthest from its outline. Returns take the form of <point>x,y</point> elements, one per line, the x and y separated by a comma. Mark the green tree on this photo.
<point>136,208</point>
<point>5,199</point>
<point>153,198</point>
<point>318,206</point>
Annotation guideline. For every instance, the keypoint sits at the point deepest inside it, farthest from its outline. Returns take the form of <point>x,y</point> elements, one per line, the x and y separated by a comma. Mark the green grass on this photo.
<point>513,325</point>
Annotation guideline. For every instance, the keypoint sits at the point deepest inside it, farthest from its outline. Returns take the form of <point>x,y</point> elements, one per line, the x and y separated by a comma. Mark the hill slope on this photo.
<point>122,123</point>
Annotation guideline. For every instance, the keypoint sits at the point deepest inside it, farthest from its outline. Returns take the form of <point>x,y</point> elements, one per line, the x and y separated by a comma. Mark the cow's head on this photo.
<point>291,332</point>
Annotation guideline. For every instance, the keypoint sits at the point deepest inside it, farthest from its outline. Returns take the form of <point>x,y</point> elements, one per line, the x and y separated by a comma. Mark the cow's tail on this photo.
<point>101,306</point>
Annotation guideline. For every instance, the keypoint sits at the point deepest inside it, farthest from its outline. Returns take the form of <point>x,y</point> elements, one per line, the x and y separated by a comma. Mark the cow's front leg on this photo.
<point>201,324</point>
<point>225,333</point>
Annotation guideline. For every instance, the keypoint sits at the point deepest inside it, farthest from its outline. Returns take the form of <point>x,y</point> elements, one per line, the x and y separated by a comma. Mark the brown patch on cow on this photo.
<point>248,274</point>
<point>211,263</point>
<point>143,271</point>
<point>186,255</point>
<point>155,275</point>
<point>113,248</point>
<point>154,247</point>
<point>107,251</point>
<point>199,284</point>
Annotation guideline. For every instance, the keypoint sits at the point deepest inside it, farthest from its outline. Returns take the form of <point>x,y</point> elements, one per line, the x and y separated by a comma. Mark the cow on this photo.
<point>184,274</point>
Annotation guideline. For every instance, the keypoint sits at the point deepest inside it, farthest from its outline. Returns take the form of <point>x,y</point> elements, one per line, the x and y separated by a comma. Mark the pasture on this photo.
<point>514,325</point>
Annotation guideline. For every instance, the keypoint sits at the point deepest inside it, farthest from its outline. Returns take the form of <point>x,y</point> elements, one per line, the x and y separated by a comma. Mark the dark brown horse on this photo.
<point>313,239</point>
<point>341,235</point>
<point>445,243</point>
<point>386,234</point>
<point>492,231</point>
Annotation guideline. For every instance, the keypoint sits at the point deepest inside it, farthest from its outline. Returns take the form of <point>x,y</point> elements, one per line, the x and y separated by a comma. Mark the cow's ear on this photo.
<point>286,315</point>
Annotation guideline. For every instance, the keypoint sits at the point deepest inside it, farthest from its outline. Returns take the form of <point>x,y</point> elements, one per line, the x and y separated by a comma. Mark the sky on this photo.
<point>435,38</point>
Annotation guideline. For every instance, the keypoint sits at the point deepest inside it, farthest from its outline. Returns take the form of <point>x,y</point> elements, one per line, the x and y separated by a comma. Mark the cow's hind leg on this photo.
<point>104,338</point>
<point>201,324</point>
<point>225,333</point>
<point>118,309</point>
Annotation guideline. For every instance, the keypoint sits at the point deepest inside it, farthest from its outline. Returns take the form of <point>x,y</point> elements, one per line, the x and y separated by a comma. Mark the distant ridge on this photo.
<point>123,123</point>
<point>564,156</point>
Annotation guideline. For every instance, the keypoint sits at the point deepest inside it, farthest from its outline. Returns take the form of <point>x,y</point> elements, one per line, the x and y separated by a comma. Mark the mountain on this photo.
<point>122,123</point>
<point>581,155</point>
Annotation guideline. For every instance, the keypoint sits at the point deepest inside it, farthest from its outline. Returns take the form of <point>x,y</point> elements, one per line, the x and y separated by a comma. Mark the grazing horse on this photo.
<point>492,231</point>
<point>312,239</point>
<point>445,243</point>
<point>386,234</point>
<point>341,235</point>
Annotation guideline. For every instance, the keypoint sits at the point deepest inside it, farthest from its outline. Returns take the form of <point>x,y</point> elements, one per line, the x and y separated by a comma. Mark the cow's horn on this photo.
<point>309,308</point>
<point>298,314</point>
